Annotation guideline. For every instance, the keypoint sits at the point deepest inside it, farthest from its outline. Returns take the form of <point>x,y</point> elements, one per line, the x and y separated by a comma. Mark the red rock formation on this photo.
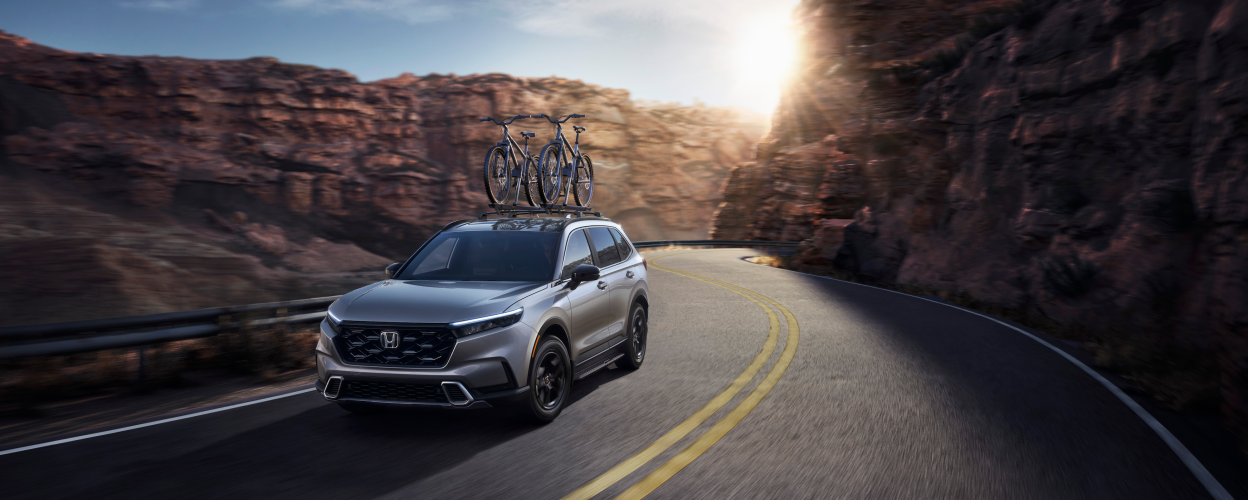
<point>326,174</point>
<point>1081,162</point>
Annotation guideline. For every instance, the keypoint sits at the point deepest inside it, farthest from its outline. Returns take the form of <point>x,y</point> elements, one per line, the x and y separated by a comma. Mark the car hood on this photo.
<point>433,301</point>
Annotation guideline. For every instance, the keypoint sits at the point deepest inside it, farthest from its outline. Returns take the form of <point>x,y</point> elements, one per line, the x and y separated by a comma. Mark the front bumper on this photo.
<point>485,368</point>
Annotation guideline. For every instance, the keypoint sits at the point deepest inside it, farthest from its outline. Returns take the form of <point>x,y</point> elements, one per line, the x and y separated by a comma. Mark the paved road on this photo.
<point>876,395</point>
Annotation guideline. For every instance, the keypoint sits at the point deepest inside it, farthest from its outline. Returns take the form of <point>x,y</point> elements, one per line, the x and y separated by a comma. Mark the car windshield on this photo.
<point>486,256</point>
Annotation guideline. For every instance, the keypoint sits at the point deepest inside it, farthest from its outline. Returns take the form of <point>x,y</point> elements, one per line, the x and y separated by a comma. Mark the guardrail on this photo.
<point>56,339</point>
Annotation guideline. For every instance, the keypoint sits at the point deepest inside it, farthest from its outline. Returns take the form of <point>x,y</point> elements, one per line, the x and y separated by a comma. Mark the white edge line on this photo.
<point>149,424</point>
<point>1202,474</point>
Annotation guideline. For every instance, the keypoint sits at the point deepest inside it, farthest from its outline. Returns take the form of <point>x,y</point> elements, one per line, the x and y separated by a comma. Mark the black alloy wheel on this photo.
<point>638,328</point>
<point>550,382</point>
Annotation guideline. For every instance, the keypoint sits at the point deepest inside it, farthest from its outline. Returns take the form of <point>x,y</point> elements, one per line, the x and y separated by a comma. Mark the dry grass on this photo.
<point>769,260</point>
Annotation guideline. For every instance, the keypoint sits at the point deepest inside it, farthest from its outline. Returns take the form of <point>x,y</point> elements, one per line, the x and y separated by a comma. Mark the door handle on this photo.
<point>602,285</point>
<point>629,274</point>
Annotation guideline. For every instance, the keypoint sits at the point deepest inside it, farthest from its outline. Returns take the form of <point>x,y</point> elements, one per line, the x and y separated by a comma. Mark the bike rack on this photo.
<point>502,210</point>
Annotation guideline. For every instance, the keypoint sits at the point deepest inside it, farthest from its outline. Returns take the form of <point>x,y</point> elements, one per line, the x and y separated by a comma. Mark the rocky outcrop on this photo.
<point>293,170</point>
<point>1081,163</point>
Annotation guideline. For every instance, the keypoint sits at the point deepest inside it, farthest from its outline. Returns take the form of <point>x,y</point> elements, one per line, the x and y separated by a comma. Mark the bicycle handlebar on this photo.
<point>508,122</point>
<point>552,120</point>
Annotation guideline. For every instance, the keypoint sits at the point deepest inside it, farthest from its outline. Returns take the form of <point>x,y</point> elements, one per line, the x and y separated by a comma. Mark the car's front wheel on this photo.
<point>638,327</point>
<point>550,382</point>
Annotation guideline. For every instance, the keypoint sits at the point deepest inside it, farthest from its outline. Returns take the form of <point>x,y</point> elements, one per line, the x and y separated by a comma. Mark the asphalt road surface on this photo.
<point>806,388</point>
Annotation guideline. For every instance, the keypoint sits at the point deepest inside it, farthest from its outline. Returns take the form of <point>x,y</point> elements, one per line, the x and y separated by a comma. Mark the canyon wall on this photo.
<point>145,184</point>
<point>1081,165</point>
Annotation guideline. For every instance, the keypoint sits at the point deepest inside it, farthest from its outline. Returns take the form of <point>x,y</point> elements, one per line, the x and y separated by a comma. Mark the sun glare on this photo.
<point>765,53</point>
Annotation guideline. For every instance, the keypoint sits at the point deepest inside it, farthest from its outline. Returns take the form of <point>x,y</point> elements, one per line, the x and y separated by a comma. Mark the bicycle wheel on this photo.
<point>497,176</point>
<point>533,182</point>
<point>583,181</point>
<point>552,172</point>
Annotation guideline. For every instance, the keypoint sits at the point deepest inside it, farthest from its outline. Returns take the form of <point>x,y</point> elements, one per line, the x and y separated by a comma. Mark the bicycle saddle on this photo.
<point>578,128</point>
<point>528,134</point>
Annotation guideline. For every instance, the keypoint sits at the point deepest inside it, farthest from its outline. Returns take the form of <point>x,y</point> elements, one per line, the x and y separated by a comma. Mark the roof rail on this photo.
<point>456,223</point>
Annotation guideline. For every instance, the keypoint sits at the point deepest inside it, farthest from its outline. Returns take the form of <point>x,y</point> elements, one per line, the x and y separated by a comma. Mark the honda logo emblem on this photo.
<point>390,339</point>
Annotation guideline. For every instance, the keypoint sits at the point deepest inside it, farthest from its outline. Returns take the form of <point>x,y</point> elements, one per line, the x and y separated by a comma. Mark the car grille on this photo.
<point>424,347</point>
<point>386,391</point>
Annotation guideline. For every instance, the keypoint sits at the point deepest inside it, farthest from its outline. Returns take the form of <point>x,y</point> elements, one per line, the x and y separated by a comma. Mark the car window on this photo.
<point>622,245</point>
<point>577,253</point>
<point>486,256</point>
<point>604,246</point>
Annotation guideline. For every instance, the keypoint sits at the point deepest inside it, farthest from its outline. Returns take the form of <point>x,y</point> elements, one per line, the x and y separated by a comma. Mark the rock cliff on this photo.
<point>1081,165</point>
<point>193,183</point>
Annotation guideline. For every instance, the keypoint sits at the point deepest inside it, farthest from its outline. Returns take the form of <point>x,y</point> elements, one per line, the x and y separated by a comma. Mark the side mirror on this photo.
<point>391,269</point>
<point>583,273</point>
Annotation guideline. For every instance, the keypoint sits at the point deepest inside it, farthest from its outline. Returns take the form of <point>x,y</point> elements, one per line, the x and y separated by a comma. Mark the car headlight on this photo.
<point>474,326</point>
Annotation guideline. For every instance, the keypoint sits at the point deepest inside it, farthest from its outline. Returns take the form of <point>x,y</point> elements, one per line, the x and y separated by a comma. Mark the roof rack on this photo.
<point>502,210</point>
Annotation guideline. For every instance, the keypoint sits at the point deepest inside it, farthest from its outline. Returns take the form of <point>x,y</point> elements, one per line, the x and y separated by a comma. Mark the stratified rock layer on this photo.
<point>1080,162</point>
<point>295,169</point>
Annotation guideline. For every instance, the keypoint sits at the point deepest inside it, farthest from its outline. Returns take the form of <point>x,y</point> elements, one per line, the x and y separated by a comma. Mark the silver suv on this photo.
<point>488,312</point>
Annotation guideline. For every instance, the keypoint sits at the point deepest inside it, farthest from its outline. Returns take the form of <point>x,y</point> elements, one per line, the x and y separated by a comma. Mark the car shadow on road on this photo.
<point>325,452</point>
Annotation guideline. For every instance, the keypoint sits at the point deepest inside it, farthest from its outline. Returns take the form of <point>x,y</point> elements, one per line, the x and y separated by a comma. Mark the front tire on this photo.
<point>638,329</point>
<point>550,382</point>
<point>497,177</point>
<point>552,163</point>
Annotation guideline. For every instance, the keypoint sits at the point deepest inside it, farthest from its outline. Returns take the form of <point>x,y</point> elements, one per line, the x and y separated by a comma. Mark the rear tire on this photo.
<point>583,191</point>
<point>533,182</point>
<point>552,163</point>
<point>497,177</point>
<point>638,331</point>
<point>550,383</point>
<point>360,408</point>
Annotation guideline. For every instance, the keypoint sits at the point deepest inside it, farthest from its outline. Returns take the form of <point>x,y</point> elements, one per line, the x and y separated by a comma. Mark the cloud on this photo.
<point>165,5</point>
<point>408,11</point>
<point>558,17</point>
<point>598,17</point>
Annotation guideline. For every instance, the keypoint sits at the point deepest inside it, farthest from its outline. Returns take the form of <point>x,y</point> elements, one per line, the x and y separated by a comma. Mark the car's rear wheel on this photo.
<point>638,328</point>
<point>550,382</point>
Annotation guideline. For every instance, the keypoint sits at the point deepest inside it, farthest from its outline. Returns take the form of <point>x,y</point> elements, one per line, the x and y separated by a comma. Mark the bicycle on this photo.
<point>554,166</point>
<point>503,169</point>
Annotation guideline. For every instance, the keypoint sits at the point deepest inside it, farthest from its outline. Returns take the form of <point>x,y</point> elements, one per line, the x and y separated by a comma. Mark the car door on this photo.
<point>622,295</point>
<point>611,280</point>
<point>590,303</point>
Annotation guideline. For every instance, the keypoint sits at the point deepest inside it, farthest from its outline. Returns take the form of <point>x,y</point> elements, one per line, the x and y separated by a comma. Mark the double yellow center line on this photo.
<point>712,436</point>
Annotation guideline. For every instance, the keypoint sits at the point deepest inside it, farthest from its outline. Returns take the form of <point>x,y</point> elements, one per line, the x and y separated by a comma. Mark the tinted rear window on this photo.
<point>486,256</point>
<point>604,246</point>
<point>621,244</point>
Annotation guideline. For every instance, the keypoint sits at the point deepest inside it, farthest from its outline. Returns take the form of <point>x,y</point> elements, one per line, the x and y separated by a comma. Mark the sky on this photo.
<point>719,52</point>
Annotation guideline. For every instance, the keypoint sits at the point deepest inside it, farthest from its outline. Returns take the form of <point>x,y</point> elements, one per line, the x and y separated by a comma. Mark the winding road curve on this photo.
<point>759,383</point>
